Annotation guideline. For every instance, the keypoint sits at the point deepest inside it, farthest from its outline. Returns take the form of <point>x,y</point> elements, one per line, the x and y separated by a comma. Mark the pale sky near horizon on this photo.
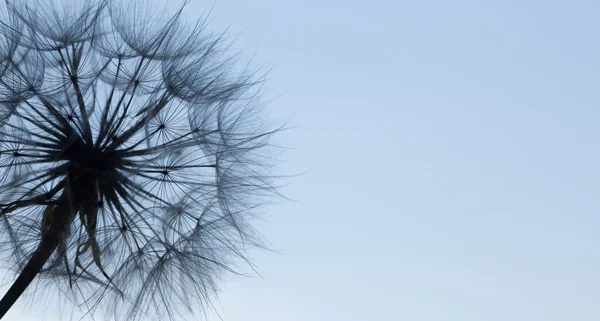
<point>448,160</point>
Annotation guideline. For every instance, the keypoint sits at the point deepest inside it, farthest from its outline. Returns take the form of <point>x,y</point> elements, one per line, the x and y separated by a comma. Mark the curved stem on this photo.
<point>31,270</point>
<point>55,225</point>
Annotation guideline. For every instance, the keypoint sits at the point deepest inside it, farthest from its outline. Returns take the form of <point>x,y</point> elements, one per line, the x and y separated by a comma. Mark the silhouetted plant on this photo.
<point>131,155</point>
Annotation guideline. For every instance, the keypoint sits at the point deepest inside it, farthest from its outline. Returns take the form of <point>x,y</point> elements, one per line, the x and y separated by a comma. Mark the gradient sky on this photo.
<point>449,160</point>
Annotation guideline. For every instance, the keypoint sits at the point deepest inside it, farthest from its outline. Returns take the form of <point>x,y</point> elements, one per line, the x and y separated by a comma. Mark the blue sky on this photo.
<point>450,160</point>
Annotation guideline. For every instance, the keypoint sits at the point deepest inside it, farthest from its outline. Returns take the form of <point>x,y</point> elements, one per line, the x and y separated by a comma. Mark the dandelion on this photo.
<point>132,154</point>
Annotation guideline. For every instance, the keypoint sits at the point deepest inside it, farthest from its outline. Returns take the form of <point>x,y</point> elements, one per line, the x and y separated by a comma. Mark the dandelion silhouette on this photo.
<point>130,154</point>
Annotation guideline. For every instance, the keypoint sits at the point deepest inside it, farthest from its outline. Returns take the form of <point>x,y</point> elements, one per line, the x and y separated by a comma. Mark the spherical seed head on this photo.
<point>153,135</point>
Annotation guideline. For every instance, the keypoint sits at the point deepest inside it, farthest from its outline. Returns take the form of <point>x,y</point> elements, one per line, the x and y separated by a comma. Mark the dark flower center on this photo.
<point>90,158</point>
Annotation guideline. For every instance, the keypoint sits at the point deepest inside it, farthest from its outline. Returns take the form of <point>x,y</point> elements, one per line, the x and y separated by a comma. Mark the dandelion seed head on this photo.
<point>146,127</point>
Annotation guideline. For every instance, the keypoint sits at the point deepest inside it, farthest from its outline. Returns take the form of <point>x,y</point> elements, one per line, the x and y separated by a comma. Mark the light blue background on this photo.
<point>450,160</point>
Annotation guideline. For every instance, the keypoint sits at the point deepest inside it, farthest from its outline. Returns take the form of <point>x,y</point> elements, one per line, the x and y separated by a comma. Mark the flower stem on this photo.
<point>31,270</point>
<point>55,225</point>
